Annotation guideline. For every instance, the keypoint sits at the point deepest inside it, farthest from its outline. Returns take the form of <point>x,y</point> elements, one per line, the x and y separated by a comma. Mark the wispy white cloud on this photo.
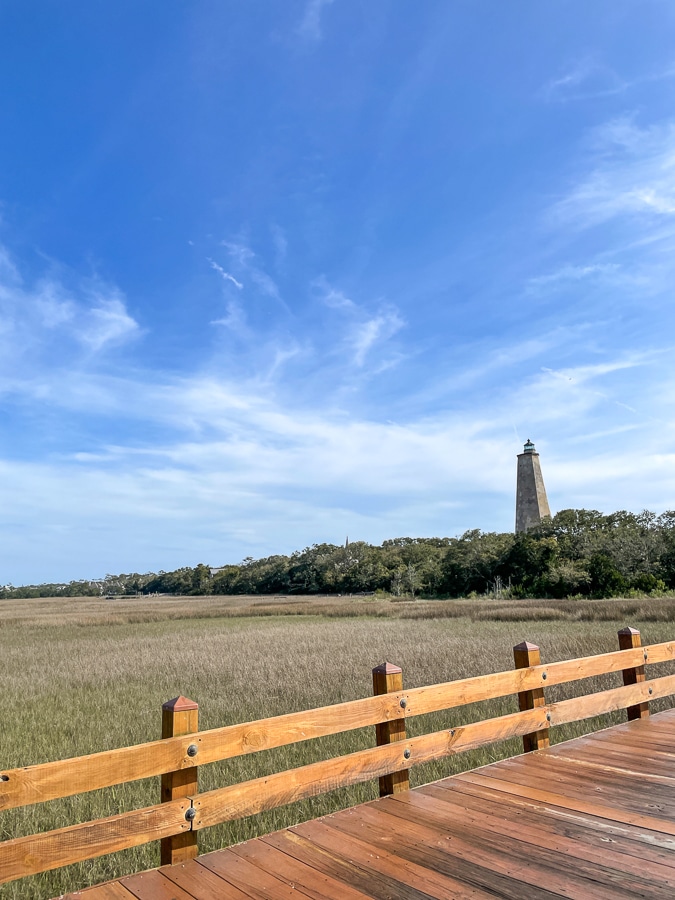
<point>366,328</point>
<point>367,334</point>
<point>268,353</point>
<point>331,296</point>
<point>585,78</point>
<point>54,306</point>
<point>310,24</point>
<point>229,453</point>
<point>282,355</point>
<point>583,374</point>
<point>225,275</point>
<point>235,320</point>
<point>240,253</point>
<point>569,273</point>
<point>232,450</point>
<point>488,363</point>
<point>246,262</point>
<point>267,285</point>
<point>36,318</point>
<point>633,174</point>
<point>107,322</point>
<point>626,406</point>
<point>252,459</point>
<point>582,395</point>
<point>590,79</point>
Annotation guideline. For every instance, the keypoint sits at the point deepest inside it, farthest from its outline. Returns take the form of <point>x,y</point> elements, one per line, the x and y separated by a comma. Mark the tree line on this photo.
<point>577,552</point>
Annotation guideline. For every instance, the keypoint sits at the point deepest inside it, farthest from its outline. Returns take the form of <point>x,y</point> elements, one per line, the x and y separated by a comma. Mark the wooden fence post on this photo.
<point>179,716</point>
<point>388,679</point>
<point>629,638</point>
<point>524,656</point>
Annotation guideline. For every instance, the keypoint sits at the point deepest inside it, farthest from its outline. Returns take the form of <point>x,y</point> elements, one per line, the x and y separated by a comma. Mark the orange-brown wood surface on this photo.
<point>52,849</point>
<point>548,824</point>
<point>248,798</point>
<point>629,638</point>
<point>179,716</point>
<point>525,656</point>
<point>37,853</point>
<point>112,891</point>
<point>48,781</point>
<point>388,679</point>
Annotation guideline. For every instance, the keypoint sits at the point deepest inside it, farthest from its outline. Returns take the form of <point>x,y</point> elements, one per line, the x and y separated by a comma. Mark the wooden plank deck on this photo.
<point>588,819</point>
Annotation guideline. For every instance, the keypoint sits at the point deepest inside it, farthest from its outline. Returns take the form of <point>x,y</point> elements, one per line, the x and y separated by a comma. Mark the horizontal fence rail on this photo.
<point>50,781</point>
<point>173,820</point>
<point>53,849</point>
<point>239,800</point>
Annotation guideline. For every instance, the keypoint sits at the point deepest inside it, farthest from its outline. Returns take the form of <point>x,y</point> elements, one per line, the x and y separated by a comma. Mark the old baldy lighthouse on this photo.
<point>531,501</point>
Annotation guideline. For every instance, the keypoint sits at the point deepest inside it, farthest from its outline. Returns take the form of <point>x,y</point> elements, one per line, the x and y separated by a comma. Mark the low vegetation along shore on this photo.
<point>576,553</point>
<point>92,674</point>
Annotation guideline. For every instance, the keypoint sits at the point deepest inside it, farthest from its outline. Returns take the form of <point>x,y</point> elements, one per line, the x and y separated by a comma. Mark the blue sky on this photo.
<point>275,273</point>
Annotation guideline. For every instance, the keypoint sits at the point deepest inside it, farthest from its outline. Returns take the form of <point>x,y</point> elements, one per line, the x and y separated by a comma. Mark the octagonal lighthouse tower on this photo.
<point>531,500</point>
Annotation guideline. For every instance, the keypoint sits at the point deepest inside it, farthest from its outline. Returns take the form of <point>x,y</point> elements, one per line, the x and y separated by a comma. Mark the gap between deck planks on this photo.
<point>589,819</point>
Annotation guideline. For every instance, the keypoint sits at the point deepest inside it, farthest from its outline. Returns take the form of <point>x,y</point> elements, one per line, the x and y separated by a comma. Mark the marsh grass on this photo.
<point>79,676</point>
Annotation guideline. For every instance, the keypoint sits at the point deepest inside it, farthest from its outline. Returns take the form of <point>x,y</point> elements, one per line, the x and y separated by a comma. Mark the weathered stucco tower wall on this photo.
<point>531,501</point>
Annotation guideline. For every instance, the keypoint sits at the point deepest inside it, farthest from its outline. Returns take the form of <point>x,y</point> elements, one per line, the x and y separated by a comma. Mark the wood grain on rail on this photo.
<point>268,792</point>
<point>37,853</point>
<point>53,849</point>
<point>492,833</point>
<point>29,855</point>
<point>435,697</point>
<point>49,781</point>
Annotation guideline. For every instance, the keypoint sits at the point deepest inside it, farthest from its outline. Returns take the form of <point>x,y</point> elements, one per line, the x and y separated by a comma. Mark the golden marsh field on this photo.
<point>83,675</point>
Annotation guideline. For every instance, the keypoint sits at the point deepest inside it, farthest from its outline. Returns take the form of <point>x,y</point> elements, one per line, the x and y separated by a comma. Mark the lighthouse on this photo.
<point>531,501</point>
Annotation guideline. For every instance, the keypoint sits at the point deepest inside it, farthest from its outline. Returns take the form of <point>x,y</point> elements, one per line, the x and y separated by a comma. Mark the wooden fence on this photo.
<point>184,811</point>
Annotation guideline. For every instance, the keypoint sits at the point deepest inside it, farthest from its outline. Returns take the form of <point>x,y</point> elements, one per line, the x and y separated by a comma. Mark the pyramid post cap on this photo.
<point>387,668</point>
<point>629,630</point>
<point>179,704</point>
<point>526,645</point>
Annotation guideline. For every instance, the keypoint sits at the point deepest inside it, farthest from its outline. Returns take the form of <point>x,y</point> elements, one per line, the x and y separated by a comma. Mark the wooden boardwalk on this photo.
<point>590,818</point>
